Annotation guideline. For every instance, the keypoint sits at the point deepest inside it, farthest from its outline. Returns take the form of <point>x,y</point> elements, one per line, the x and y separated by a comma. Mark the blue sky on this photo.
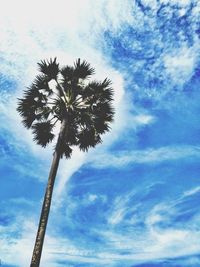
<point>133,200</point>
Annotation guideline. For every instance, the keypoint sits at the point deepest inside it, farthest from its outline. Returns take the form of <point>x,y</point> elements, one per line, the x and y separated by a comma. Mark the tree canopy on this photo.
<point>66,92</point>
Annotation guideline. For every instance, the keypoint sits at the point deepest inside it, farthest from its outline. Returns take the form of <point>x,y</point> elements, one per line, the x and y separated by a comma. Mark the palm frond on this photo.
<point>71,135</point>
<point>28,106</point>
<point>66,150</point>
<point>88,91</point>
<point>35,93</point>
<point>107,95</point>
<point>27,110</point>
<point>41,82</point>
<point>85,118</point>
<point>43,133</point>
<point>28,120</point>
<point>59,108</point>
<point>67,73</point>
<point>101,126</point>
<point>104,111</point>
<point>83,69</point>
<point>49,68</point>
<point>43,113</point>
<point>88,138</point>
<point>100,91</point>
<point>106,83</point>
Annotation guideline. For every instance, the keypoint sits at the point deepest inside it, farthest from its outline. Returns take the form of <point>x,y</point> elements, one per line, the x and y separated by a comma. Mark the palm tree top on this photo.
<point>59,93</point>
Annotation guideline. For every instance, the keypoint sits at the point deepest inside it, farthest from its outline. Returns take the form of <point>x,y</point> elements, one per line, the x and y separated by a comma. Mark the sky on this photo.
<point>132,201</point>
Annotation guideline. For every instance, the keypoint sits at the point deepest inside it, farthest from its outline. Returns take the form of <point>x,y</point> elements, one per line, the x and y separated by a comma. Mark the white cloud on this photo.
<point>17,250</point>
<point>181,64</point>
<point>66,169</point>
<point>144,119</point>
<point>92,197</point>
<point>192,191</point>
<point>182,2</point>
<point>150,155</point>
<point>119,208</point>
<point>117,216</point>
<point>17,241</point>
<point>155,241</point>
<point>171,241</point>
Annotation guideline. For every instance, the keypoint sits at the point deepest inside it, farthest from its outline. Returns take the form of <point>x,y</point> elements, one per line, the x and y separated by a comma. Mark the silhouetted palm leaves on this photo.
<point>86,105</point>
<point>49,68</point>
<point>43,133</point>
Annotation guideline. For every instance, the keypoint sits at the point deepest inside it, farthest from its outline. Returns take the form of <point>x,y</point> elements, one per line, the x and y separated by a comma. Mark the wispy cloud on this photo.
<point>192,191</point>
<point>180,64</point>
<point>159,239</point>
<point>152,155</point>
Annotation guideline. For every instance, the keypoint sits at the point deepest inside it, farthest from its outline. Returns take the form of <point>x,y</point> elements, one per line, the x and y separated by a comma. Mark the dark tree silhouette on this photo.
<point>83,108</point>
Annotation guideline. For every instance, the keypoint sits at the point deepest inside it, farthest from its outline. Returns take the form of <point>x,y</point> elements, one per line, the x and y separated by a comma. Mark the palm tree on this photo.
<point>82,108</point>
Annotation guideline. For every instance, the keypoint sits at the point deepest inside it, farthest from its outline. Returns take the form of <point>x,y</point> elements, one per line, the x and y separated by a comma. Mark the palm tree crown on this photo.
<point>67,93</point>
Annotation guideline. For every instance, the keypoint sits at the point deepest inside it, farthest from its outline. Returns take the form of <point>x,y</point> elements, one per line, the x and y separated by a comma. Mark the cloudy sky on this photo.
<point>133,200</point>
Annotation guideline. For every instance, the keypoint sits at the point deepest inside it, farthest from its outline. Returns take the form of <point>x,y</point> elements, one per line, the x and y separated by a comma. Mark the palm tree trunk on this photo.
<point>35,262</point>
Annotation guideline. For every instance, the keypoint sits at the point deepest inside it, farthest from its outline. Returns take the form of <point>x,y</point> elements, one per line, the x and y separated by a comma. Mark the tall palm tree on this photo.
<point>81,107</point>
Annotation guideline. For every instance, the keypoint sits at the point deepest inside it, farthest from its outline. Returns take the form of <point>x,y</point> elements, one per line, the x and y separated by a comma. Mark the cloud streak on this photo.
<point>148,156</point>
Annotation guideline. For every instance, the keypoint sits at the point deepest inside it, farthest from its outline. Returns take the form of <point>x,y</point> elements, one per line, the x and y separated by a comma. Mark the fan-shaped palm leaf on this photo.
<point>66,150</point>
<point>49,68</point>
<point>101,126</point>
<point>41,82</point>
<point>67,73</point>
<point>43,133</point>
<point>88,138</point>
<point>82,69</point>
